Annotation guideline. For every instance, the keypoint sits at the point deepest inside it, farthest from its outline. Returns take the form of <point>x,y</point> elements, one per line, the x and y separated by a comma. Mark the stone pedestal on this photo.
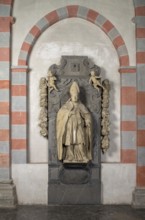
<point>139,198</point>
<point>76,194</point>
<point>74,185</point>
<point>8,198</point>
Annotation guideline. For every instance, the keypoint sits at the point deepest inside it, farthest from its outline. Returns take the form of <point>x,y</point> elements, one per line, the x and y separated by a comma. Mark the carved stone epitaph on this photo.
<point>76,98</point>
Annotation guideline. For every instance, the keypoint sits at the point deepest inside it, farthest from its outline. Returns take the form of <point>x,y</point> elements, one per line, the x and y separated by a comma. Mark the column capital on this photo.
<point>20,68</point>
<point>127,69</point>
<point>7,20</point>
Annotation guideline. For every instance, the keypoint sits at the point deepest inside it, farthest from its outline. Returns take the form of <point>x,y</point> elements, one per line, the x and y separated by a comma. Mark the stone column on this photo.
<point>139,193</point>
<point>128,114</point>
<point>7,188</point>
<point>19,115</point>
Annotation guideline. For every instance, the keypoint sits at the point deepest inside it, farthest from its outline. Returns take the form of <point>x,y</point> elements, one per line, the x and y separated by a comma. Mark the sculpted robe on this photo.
<point>73,126</point>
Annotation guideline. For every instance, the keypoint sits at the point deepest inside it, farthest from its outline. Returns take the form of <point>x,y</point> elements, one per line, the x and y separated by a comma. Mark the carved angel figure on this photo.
<point>51,82</point>
<point>94,80</point>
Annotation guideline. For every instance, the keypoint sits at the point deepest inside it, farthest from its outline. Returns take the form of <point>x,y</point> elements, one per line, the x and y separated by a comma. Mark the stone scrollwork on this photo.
<point>105,116</point>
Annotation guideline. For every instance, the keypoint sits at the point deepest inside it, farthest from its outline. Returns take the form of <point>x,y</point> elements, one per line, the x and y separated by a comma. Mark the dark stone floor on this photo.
<point>83,212</point>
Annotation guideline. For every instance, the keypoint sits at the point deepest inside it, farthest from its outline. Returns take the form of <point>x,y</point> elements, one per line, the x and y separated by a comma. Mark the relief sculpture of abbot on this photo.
<point>73,126</point>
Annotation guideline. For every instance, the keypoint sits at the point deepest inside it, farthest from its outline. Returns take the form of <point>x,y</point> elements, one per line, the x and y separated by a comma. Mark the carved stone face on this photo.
<point>92,73</point>
<point>50,73</point>
<point>74,97</point>
<point>74,92</point>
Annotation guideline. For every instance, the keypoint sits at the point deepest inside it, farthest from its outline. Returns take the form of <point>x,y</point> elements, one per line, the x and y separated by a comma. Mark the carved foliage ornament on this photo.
<point>105,116</point>
<point>95,80</point>
<point>46,84</point>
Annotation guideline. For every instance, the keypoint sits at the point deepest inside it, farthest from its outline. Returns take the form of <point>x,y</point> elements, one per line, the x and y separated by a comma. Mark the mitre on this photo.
<point>74,88</point>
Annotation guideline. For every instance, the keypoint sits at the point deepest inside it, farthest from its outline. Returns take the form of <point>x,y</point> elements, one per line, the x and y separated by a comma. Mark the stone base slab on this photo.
<point>74,194</point>
<point>8,197</point>
<point>139,198</point>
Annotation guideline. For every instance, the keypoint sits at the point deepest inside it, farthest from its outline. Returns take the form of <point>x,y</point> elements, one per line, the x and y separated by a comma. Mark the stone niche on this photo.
<point>74,183</point>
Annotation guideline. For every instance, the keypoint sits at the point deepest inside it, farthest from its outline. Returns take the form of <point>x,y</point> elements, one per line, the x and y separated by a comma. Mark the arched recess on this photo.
<point>70,12</point>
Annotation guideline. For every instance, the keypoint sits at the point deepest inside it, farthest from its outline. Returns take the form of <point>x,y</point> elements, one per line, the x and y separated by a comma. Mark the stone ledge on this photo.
<point>72,194</point>
<point>139,198</point>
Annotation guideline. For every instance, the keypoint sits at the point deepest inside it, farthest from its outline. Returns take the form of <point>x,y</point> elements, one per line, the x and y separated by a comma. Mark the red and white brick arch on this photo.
<point>20,91</point>
<point>76,12</point>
